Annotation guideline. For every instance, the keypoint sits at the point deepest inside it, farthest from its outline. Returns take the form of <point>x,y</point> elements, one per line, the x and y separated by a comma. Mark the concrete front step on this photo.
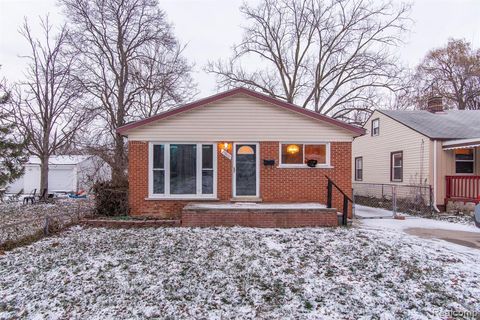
<point>268,215</point>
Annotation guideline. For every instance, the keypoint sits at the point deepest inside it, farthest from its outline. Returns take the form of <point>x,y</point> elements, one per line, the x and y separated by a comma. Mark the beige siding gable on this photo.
<point>240,118</point>
<point>394,136</point>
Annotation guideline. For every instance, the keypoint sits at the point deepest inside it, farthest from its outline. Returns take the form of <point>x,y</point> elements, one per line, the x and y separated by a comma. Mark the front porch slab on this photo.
<point>263,215</point>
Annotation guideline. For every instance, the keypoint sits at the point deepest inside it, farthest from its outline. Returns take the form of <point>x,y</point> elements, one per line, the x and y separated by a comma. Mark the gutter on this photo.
<point>435,176</point>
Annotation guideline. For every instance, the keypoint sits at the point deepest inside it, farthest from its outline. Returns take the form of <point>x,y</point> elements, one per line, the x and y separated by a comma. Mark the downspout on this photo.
<point>435,176</point>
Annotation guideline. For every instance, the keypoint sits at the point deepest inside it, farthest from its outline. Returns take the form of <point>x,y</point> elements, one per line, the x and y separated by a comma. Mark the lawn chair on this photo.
<point>15,197</point>
<point>3,191</point>
<point>30,197</point>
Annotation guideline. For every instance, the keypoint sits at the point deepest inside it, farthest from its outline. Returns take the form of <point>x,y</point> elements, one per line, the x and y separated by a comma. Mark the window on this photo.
<point>297,154</point>
<point>375,127</point>
<point>396,171</point>
<point>158,169</point>
<point>207,169</point>
<point>464,161</point>
<point>182,169</point>
<point>358,169</point>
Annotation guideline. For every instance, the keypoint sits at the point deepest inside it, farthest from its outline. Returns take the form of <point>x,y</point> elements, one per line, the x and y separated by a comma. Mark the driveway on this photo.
<point>463,238</point>
<point>444,231</point>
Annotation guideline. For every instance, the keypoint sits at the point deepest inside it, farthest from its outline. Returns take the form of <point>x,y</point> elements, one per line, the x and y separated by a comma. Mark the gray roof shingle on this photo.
<point>451,124</point>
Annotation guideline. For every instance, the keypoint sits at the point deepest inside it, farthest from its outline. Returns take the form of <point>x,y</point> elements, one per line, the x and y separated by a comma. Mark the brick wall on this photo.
<point>305,184</point>
<point>263,219</point>
<point>276,184</point>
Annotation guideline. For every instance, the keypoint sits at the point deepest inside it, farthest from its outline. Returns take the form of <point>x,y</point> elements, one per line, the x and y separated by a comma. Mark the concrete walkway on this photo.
<point>364,212</point>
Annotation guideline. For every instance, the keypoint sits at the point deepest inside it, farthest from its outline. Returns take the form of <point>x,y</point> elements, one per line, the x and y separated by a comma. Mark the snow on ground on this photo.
<point>451,236</point>
<point>19,221</point>
<point>371,212</point>
<point>222,273</point>
<point>409,222</point>
<point>18,212</point>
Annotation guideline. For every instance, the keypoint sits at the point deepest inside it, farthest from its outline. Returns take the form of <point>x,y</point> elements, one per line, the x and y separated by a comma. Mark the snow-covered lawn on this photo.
<point>18,212</point>
<point>20,221</point>
<point>223,273</point>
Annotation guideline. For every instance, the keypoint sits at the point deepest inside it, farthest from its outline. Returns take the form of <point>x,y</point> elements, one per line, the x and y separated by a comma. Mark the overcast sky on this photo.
<point>210,27</point>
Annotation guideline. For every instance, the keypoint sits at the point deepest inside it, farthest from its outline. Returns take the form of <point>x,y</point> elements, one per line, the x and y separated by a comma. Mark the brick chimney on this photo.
<point>435,104</point>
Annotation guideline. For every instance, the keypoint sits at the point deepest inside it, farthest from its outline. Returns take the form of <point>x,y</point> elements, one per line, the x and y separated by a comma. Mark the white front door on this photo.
<point>246,170</point>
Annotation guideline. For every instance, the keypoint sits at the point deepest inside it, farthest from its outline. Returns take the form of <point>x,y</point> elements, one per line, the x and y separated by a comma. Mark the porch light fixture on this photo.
<point>293,148</point>
<point>225,146</point>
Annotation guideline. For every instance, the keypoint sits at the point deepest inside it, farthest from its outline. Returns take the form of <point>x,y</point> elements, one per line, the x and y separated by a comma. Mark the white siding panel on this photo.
<point>239,118</point>
<point>394,136</point>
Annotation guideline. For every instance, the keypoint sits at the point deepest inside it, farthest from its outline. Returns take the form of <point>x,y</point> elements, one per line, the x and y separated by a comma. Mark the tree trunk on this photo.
<point>44,173</point>
<point>120,164</point>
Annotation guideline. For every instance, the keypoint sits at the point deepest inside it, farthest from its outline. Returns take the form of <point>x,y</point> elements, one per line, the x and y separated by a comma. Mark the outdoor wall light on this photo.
<point>225,146</point>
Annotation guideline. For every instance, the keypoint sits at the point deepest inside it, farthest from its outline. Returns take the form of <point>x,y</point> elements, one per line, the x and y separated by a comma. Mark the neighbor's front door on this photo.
<point>245,170</point>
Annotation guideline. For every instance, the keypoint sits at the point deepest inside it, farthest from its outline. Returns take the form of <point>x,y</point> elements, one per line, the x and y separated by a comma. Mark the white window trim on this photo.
<point>326,165</point>
<point>474,164</point>
<point>393,166</point>
<point>376,120</point>
<point>356,168</point>
<point>167,195</point>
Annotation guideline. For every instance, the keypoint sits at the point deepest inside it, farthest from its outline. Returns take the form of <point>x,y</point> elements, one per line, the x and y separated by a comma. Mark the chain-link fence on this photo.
<point>20,224</point>
<point>411,199</point>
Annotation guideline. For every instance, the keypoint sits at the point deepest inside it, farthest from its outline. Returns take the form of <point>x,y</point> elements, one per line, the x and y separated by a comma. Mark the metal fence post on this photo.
<point>45,228</point>
<point>431,197</point>
<point>394,200</point>
<point>345,210</point>
<point>353,203</point>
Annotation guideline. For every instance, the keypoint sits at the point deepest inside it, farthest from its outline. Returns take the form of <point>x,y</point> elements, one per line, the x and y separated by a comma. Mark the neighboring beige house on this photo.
<point>434,147</point>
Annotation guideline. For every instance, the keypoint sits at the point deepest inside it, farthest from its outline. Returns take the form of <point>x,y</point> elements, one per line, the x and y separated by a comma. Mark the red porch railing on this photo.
<point>463,188</point>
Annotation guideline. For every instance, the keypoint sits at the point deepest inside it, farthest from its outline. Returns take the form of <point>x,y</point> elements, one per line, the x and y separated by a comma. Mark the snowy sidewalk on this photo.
<point>364,212</point>
<point>449,234</point>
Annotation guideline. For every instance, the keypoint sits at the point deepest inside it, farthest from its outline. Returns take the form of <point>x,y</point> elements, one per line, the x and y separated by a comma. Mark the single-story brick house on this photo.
<point>239,157</point>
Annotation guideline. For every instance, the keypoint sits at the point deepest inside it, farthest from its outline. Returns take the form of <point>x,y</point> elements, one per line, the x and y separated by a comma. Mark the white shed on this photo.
<point>66,174</point>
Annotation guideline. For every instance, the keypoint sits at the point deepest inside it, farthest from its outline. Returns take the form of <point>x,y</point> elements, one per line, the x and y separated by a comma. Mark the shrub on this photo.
<point>110,199</point>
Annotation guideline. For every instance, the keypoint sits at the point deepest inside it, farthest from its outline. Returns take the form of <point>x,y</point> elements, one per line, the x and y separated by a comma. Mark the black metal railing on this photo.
<point>346,198</point>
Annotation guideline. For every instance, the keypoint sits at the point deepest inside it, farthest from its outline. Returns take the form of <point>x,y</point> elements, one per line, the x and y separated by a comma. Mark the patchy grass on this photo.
<point>236,273</point>
<point>22,224</point>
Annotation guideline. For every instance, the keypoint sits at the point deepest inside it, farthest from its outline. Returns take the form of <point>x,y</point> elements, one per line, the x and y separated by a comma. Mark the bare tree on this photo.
<point>452,72</point>
<point>165,76</point>
<point>115,40</point>
<point>332,56</point>
<point>46,107</point>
